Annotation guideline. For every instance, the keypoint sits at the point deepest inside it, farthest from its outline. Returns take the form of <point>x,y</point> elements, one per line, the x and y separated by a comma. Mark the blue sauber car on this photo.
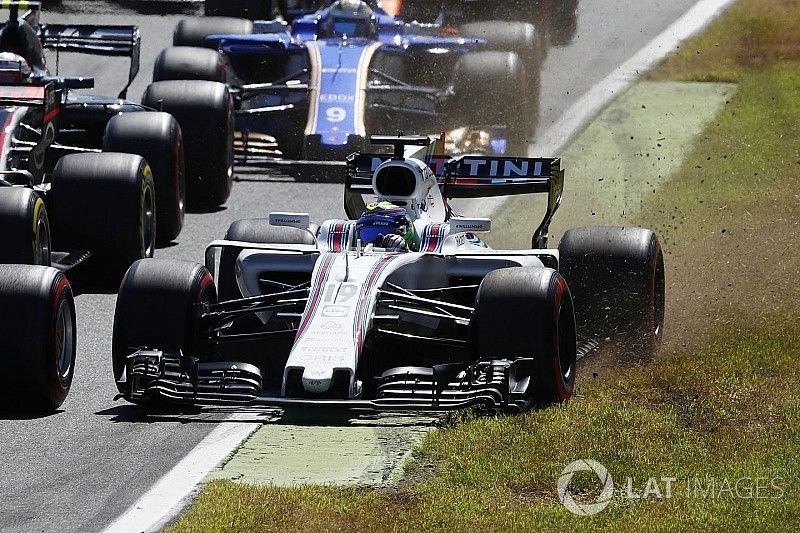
<point>318,89</point>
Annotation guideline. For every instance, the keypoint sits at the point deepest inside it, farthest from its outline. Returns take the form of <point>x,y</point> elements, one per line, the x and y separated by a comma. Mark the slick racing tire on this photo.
<point>249,9</point>
<point>105,203</point>
<point>156,308</point>
<point>617,280</point>
<point>255,230</point>
<point>561,21</point>
<point>518,37</point>
<point>193,31</point>
<point>190,63</point>
<point>204,110</point>
<point>526,313</point>
<point>157,138</point>
<point>37,358</point>
<point>26,229</point>
<point>486,92</point>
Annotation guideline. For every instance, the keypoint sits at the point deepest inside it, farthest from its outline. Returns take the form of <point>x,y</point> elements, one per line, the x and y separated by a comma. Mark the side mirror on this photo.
<point>475,225</point>
<point>293,220</point>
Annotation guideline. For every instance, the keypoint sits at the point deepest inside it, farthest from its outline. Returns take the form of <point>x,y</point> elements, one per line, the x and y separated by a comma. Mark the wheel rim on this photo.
<point>149,223</point>
<point>41,245</point>
<point>65,339</point>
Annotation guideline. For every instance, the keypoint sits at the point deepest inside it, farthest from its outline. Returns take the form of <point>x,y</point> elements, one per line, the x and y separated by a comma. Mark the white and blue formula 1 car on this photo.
<point>284,313</point>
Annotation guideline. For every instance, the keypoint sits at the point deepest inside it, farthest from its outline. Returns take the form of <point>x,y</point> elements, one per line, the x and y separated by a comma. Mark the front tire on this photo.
<point>526,313</point>
<point>193,31</point>
<point>156,308</point>
<point>37,358</point>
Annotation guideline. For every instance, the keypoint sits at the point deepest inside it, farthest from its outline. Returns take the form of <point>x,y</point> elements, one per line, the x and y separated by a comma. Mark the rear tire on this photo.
<point>26,228</point>
<point>617,280</point>
<point>105,203</point>
<point>157,138</point>
<point>37,359</point>
<point>204,110</point>
<point>156,309</point>
<point>193,31</point>
<point>190,63</point>
<point>526,312</point>
<point>485,86</point>
<point>249,9</point>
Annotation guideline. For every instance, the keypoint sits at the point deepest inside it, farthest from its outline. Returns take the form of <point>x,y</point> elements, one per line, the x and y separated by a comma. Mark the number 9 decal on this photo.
<point>336,114</point>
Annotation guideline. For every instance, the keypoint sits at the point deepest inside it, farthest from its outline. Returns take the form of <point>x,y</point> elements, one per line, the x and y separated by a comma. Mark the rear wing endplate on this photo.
<point>115,41</point>
<point>470,177</point>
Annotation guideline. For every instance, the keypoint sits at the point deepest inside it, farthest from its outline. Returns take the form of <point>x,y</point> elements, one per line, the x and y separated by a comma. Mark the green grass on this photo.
<point>721,403</point>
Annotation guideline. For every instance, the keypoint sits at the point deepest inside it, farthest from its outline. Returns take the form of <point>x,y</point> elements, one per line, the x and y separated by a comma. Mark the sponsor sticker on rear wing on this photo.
<point>109,40</point>
<point>45,96</point>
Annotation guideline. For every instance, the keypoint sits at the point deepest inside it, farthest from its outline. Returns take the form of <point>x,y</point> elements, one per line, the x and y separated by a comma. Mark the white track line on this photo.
<point>556,137</point>
<point>173,491</point>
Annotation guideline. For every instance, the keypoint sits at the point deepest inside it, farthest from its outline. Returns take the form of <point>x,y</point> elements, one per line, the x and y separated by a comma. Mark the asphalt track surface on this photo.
<point>78,469</point>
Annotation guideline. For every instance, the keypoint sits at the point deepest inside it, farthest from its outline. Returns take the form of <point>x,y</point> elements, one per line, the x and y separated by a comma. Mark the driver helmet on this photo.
<point>382,219</point>
<point>14,68</point>
<point>351,18</point>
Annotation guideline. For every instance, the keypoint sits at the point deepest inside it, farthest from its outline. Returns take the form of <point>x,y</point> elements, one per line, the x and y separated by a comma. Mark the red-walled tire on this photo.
<point>617,280</point>
<point>37,356</point>
<point>526,313</point>
<point>156,309</point>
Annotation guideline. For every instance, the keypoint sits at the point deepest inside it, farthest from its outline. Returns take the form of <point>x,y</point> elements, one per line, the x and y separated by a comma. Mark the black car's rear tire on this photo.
<point>617,280</point>
<point>526,312</point>
<point>157,138</point>
<point>190,63</point>
<point>193,31</point>
<point>37,357</point>
<point>204,110</point>
<point>104,203</point>
<point>156,308</point>
<point>25,227</point>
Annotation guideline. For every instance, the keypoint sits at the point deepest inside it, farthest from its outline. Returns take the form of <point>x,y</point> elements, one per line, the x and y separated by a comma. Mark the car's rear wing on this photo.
<point>111,40</point>
<point>465,177</point>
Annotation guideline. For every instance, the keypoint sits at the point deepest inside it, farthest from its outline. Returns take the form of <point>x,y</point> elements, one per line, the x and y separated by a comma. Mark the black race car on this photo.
<point>99,169</point>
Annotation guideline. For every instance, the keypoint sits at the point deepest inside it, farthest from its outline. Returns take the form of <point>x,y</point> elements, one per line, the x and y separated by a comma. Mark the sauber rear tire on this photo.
<point>37,357</point>
<point>104,203</point>
<point>486,87</point>
<point>157,138</point>
<point>526,312</point>
<point>204,110</point>
<point>617,280</point>
<point>250,9</point>
<point>190,63</point>
<point>156,308</point>
<point>193,31</point>
<point>25,227</point>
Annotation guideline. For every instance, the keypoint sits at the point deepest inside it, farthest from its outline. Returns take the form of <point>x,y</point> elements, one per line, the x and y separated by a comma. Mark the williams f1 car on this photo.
<point>286,314</point>
<point>316,92</point>
<point>102,165</point>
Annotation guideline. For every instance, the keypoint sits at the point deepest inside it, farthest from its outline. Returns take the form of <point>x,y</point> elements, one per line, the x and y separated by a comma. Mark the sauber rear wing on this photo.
<point>117,41</point>
<point>466,177</point>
